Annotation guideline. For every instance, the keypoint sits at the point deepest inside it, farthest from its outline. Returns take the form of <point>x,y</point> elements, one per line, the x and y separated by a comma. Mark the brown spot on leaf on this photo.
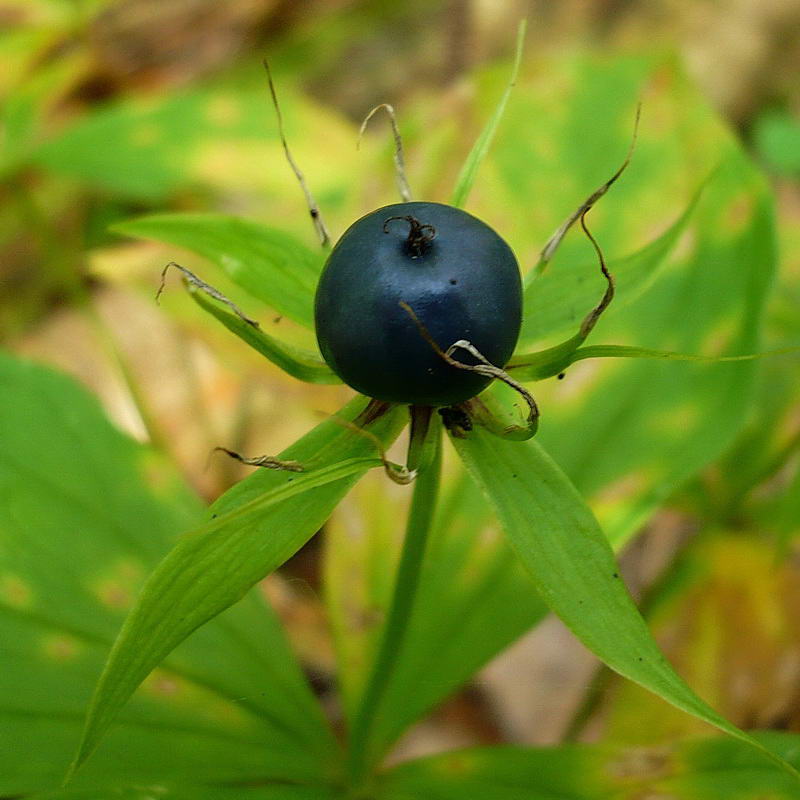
<point>642,762</point>
<point>15,592</point>
<point>61,647</point>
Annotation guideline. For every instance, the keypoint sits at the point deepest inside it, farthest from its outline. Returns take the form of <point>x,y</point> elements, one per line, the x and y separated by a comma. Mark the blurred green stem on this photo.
<point>362,753</point>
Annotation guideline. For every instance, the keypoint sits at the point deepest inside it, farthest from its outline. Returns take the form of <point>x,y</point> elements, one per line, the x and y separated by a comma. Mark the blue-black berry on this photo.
<point>456,274</point>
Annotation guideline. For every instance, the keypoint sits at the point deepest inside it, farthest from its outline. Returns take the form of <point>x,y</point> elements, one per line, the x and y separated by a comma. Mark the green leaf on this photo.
<point>629,432</point>
<point>621,351</point>
<point>559,541</point>
<point>538,366</point>
<point>157,140</point>
<point>777,139</point>
<point>500,408</point>
<point>787,517</point>
<point>264,521</point>
<point>222,138</point>
<point>568,130</point>
<point>153,143</point>
<point>556,300</point>
<point>550,305</point>
<point>297,362</point>
<point>85,514</point>
<point>705,769</point>
<point>481,147</point>
<point>268,263</point>
<point>766,447</point>
<point>723,610</point>
<point>23,110</point>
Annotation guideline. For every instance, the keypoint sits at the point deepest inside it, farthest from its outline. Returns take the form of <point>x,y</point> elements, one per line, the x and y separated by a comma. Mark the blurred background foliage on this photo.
<point>112,109</point>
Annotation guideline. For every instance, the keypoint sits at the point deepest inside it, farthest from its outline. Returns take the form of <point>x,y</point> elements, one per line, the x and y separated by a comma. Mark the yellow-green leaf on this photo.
<point>573,567</point>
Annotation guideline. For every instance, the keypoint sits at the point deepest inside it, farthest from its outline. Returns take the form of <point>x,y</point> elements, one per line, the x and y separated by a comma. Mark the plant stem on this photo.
<point>361,752</point>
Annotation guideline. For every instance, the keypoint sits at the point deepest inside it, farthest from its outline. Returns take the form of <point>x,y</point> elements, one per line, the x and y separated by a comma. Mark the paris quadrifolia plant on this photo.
<point>418,309</point>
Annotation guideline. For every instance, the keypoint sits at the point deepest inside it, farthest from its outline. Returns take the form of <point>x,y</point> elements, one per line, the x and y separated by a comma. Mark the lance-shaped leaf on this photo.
<point>270,264</point>
<point>265,521</point>
<point>85,513</point>
<point>726,612</point>
<point>295,361</point>
<point>711,769</point>
<point>632,430</point>
<point>538,366</point>
<point>558,539</point>
<point>224,137</point>
<point>557,300</point>
<point>481,147</point>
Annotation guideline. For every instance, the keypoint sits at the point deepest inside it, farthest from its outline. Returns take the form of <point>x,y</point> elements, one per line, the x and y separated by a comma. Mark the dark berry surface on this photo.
<point>462,281</point>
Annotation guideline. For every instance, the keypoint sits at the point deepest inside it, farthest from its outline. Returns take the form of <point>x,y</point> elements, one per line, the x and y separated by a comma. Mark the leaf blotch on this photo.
<point>15,592</point>
<point>61,647</point>
<point>164,686</point>
<point>458,764</point>
<point>117,588</point>
<point>642,762</point>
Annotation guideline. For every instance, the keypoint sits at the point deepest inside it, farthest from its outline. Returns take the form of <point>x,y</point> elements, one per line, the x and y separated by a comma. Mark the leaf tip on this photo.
<point>74,766</point>
<point>522,30</point>
<point>85,748</point>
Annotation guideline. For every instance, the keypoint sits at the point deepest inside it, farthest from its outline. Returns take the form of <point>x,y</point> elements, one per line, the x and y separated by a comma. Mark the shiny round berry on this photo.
<point>457,276</point>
